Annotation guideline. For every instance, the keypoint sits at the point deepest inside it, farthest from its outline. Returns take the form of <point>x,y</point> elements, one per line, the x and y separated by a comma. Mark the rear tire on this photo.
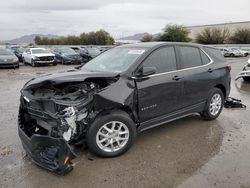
<point>111,135</point>
<point>231,55</point>
<point>214,105</point>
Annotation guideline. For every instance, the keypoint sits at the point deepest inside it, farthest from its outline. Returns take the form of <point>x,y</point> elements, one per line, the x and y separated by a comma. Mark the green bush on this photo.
<point>241,36</point>
<point>213,36</point>
<point>100,37</point>
<point>147,38</point>
<point>174,33</point>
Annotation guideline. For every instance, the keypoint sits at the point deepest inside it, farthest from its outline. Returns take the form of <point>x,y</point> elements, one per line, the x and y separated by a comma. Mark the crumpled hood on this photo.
<point>66,76</point>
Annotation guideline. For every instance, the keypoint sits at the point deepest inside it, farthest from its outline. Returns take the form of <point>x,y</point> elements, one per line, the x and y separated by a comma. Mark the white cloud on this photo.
<point>119,17</point>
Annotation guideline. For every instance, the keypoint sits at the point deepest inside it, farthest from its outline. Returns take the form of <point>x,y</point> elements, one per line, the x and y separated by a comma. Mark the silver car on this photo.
<point>8,59</point>
<point>228,52</point>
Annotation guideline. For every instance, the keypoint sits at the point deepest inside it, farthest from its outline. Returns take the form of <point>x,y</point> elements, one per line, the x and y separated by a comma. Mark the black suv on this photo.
<point>123,91</point>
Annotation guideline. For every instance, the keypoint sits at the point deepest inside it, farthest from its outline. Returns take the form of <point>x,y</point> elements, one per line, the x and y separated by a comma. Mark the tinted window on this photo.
<point>163,59</point>
<point>191,56</point>
<point>204,58</point>
<point>214,54</point>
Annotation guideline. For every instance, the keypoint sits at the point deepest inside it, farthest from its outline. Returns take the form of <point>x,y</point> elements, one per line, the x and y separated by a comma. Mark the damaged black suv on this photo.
<point>123,91</point>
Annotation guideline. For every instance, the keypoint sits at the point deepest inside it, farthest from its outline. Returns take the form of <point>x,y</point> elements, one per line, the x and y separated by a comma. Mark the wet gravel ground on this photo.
<point>186,153</point>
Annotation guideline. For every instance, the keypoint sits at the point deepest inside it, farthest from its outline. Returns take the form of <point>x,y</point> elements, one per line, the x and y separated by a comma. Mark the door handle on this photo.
<point>176,78</point>
<point>210,70</point>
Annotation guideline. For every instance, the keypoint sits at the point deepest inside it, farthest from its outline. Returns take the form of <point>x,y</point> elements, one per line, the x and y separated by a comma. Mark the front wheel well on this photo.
<point>125,109</point>
<point>222,88</point>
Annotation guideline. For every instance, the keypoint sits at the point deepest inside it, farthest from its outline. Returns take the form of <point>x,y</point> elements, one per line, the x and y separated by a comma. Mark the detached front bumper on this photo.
<point>53,154</point>
<point>245,73</point>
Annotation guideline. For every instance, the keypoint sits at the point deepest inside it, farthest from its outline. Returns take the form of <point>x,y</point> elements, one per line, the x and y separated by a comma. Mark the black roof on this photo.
<point>155,44</point>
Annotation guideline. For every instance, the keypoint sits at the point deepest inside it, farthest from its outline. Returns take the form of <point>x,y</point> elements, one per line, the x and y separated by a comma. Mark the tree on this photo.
<point>38,40</point>
<point>241,36</point>
<point>213,36</point>
<point>147,38</point>
<point>174,33</point>
<point>100,37</point>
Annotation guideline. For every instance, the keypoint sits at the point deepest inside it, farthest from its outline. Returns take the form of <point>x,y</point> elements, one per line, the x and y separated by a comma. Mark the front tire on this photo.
<point>62,61</point>
<point>111,135</point>
<point>214,105</point>
<point>33,63</point>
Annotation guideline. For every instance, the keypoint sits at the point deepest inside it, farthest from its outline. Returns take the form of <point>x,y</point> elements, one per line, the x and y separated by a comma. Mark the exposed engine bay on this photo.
<point>54,115</point>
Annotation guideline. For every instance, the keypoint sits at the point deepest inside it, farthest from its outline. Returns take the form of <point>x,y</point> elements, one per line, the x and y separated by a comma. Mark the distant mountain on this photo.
<point>137,36</point>
<point>27,39</point>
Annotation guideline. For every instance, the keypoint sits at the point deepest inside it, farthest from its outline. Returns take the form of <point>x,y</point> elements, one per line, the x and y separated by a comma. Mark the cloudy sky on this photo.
<point>119,17</point>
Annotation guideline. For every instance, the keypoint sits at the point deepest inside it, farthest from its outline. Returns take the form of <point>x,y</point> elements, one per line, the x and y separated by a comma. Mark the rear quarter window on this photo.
<point>215,54</point>
<point>204,57</point>
<point>191,57</point>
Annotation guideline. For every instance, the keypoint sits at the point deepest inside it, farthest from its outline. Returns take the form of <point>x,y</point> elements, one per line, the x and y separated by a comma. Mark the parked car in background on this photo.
<point>8,59</point>
<point>38,56</point>
<point>89,53</point>
<point>243,52</point>
<point>104,48</point>
<point>227,52</point>
<point>245,73</point>
<point>13,47</point>
<point>86,52</point>
<point>19,53</point>
<point>116,95</point>
<point>66,55</point>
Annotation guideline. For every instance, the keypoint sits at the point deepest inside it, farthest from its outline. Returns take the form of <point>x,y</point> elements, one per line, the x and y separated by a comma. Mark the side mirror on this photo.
<point>146,71</point>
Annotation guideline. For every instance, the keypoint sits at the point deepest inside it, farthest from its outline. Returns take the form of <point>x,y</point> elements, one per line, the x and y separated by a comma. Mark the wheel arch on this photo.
<point>222,88</point>
<point>124,108</point>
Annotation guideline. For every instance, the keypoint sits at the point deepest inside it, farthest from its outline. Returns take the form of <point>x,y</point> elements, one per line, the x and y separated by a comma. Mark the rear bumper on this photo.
<point>53,154</point>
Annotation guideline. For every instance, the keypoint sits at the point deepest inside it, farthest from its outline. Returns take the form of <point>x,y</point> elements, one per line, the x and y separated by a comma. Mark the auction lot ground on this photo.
<point>186,153</point>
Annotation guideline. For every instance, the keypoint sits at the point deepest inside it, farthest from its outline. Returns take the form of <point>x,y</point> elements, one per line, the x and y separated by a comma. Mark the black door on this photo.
<point>196,71</point>
<point>160,93</point>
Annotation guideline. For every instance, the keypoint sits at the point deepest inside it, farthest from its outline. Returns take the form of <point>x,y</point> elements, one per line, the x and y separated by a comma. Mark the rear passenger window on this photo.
<point>163,59</point>
<point>204,58</point>
<point>190,56</point>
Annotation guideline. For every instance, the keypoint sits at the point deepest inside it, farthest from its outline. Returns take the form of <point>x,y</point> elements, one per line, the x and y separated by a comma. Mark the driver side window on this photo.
<point>163,59</point>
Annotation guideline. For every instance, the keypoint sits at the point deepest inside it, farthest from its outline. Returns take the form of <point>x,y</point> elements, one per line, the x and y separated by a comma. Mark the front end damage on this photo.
<point>54,116</point>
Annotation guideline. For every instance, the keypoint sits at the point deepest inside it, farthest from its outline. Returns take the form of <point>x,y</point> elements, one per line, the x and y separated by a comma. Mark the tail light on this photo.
<point>229,68</point>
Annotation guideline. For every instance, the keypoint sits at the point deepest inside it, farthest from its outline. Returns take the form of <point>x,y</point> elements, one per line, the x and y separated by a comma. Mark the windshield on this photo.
<point>39,51</point>
<point>5,52</point>
<point>67,51</point>
<point>94,51</point>
<point>116,60</point>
